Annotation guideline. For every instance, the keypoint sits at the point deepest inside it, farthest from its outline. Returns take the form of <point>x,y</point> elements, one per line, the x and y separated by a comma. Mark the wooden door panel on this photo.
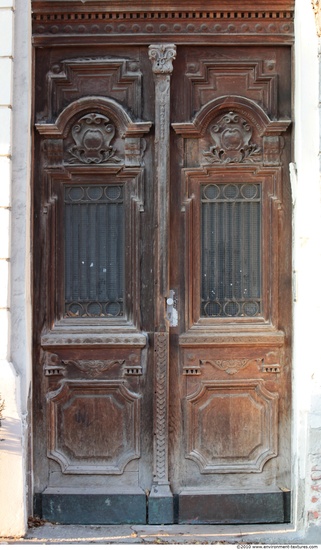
<point>231,426</point>
<point>229,377</point>
<point>261,75</point>
<point>163,372</point>
<point>81,414</point>
<point>91,352</point>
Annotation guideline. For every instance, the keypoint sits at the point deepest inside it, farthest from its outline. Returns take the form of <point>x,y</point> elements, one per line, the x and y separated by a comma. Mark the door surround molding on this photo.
<point>55,24</point>
<point>59,23</point>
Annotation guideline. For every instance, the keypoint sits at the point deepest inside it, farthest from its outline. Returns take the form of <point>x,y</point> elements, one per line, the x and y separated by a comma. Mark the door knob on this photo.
<point>171,309</point>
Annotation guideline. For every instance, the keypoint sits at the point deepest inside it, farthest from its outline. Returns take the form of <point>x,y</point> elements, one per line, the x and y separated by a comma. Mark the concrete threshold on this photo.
<point>49,533</point>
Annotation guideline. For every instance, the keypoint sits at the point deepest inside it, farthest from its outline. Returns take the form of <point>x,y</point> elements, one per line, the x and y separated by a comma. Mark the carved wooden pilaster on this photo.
<point>161,56</point>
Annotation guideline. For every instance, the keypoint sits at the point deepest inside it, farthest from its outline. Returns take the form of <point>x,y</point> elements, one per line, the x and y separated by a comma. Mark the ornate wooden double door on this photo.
<point>162,269</point>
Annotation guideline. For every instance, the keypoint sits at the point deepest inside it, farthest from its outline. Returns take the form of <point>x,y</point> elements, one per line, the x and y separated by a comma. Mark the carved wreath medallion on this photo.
<point>232,141</point>
<point>92,135</point>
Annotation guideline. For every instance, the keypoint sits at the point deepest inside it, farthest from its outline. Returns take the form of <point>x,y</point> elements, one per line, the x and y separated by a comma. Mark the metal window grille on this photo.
<point>94,251</point>
<point>231,250</point>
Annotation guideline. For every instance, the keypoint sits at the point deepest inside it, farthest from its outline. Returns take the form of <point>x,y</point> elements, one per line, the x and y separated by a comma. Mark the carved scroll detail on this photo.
<point>231,366</point>
<point>94,368</point>
<point>162,56</point>
<point>92,135</point>
<point>90,368</point>
<point>232,138</point>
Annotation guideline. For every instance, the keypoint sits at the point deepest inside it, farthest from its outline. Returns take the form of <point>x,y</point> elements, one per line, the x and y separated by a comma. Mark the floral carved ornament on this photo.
<point>231,135</point>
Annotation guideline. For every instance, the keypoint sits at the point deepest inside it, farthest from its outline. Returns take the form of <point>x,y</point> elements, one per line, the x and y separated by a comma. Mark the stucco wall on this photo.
<point>14,261</point>
<point>15,244</point>
<point>307,272</point>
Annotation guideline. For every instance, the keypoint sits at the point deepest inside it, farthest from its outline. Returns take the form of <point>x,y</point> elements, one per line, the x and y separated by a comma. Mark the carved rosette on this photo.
<point>92,135</point>
<point>232,141</point>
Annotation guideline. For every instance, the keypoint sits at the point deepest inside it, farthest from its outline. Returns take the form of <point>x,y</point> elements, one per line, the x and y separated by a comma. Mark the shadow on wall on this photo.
<point>10,436</point>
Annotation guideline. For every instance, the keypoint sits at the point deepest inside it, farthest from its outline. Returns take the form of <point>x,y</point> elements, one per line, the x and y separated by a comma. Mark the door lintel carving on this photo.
<point>247,108</point>
<point>119,22</point>
<point>103,105</point>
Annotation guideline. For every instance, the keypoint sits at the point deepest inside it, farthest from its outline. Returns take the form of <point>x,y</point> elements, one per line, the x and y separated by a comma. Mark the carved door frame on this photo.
<point>162,31</point>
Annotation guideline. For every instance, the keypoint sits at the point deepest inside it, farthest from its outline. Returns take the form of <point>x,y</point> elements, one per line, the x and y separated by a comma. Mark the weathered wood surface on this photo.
<point>133,403</point>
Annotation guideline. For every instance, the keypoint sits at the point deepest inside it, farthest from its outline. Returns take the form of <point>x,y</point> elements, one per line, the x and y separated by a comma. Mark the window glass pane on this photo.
<point>94,251</point>
<point>231,250</point>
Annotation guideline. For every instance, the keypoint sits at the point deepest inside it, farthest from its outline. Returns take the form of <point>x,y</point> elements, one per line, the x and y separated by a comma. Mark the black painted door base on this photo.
<point>101,508</point>
<point>234,508</point>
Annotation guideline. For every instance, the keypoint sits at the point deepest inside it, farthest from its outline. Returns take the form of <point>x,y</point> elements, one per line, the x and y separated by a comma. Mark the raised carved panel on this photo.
<point>74,78</point>
<point>232,138</point>
<point>231,426</point>
<point>232,130</point>
<point>94,131</point>
<point>101,105</point>
<point>210,79</point>
<point>90,141</point>
<point>93,427</point>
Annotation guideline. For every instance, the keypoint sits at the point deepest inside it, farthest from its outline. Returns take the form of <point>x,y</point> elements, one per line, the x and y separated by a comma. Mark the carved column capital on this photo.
<point>162,56</point>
